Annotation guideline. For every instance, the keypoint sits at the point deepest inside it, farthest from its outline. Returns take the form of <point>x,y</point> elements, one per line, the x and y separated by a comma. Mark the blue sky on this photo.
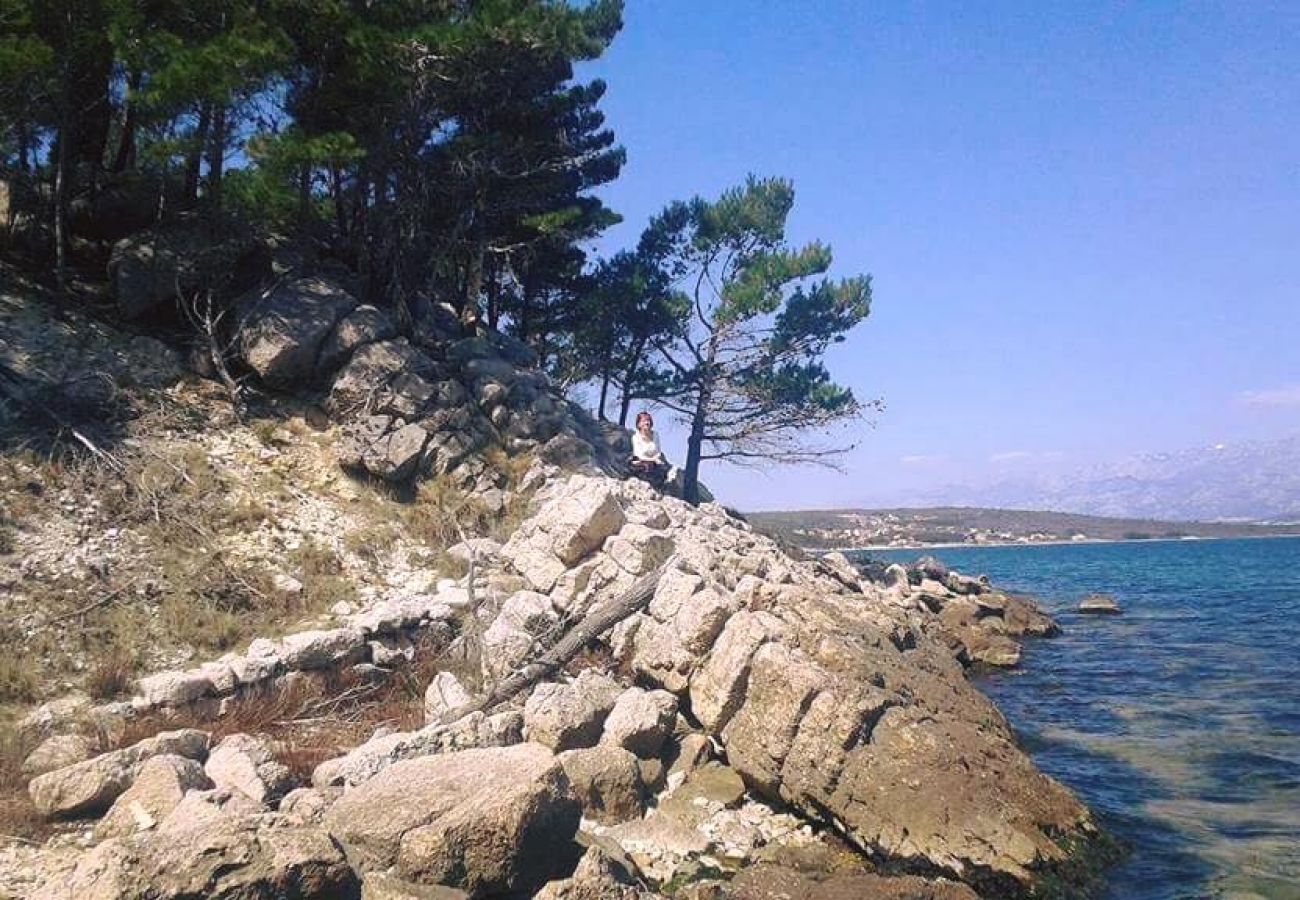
<point>1082,220</point>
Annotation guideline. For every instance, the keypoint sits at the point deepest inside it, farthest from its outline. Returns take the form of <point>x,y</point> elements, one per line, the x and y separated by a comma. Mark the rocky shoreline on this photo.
<point>758,726</point>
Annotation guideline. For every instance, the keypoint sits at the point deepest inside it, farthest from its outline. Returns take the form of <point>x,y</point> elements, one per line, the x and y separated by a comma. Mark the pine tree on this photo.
<point>746,374</point>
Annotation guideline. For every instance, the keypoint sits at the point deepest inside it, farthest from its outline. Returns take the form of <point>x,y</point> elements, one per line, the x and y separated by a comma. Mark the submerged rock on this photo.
<point>1099,604</point>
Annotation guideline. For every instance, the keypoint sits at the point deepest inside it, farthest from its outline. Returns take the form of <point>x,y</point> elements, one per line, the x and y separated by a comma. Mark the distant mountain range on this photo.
<point>1248,481</point>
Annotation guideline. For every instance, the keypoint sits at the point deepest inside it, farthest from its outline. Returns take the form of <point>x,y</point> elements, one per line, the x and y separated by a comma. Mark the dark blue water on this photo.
<point>1177,722</point>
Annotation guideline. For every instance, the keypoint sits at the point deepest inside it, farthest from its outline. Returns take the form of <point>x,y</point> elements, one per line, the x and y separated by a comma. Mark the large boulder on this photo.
<point>641,721</point>
<point>148,268</point>
<point>473,731</point>
<point>92,786</point>
<point>513,635</point>
<point>444,695</point>
<point>606,779</point>
<point>57,752</point>
<point>364,325</point>
<point>159,786</point>
<point>281,332</point>
<point>247,764</point>
<point>564,716</point>
<point>202,850</point>
<point>322,649</point>
<point>485,821</point>
<point>373,367</point>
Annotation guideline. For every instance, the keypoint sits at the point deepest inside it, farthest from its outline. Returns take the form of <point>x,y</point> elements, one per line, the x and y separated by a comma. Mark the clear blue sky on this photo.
<point>1082,219</point>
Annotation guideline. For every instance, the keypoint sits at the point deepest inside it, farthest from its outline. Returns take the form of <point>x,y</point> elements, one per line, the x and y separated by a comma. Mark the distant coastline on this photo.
<point>940,527</point>
<point>1190,539</point>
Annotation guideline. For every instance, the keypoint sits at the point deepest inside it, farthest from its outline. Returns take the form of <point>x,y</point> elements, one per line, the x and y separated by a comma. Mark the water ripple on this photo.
<point>1178,721</point>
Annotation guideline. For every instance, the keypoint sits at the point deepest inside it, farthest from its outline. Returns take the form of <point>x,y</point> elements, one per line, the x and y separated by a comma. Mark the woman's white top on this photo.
<point>646,447</point>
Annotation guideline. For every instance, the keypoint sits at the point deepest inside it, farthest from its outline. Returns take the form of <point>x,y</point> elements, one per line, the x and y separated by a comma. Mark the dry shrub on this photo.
<point>320,715</point>
<point>513,468</point>
<point>18,817</point>
<point>112,673</point>
<point>19,680</point>
<point>442,514</point>
<point>321,573</point>
<point>372,542</point>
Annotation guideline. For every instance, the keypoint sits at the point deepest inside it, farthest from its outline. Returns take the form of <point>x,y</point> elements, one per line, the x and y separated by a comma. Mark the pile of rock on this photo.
<point>412,409</point>
<point>755,712</point>
<point>372,641</point>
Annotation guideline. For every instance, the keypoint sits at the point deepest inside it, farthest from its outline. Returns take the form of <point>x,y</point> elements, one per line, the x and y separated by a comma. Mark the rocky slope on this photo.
<point>759,726</point>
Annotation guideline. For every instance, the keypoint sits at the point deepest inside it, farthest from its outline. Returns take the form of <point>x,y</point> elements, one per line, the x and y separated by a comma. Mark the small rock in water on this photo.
<point>1098,604</point>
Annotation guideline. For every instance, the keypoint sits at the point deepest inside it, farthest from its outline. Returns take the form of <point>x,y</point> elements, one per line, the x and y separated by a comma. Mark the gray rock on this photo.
<point>1099,604</point>
<point>280,334</point>
<point>175,688</point>
<point>485,821</point>
<point>93,785</point>
<point>377,754</point>
<point>308,805</point>
<point>512,636</point>
<point>360,384</point>
<point>202,850</point>
<point>247,764</point>
<point>322,649</point>
<point>444,695</point>
<point>364,325</point>
<point>57,752</point>
<point>641,721</point>
<point>386,886</point>
<point>606,779</point>
<point>160,785</point>
<point>563,716</point>
<point>394,455</point>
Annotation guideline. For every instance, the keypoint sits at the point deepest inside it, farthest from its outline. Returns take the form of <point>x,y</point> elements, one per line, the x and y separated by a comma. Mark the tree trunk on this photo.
<point>24,146</point>
<point>473,287</point>
<point>494,299</point>
<point>60,201</point>
<point>194,157</point>
<point>340,210</point>
<point>216,156</point>
<point>629,374</point>
<point>604,392</point>
<point>304,193</point>
<point>694,449</point>
<point>695,443</point>
<point>125,158</point>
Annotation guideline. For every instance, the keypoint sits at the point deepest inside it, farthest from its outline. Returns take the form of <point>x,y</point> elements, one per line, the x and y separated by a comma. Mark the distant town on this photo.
<point>867,528</point>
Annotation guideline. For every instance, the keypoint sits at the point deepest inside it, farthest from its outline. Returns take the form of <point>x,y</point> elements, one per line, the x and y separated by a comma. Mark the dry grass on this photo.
<point>112,673</point>
<point>18,817</point>
<point>310,719</point>
<point>318,716</point>
<point>19,682</point>
<point>372,542</point>
<point>180,589</point>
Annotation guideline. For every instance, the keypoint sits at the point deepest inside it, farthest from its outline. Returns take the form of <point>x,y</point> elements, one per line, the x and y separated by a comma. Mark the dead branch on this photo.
<point>12,385</point>
<point>91,607</point>
<point>593,625</point>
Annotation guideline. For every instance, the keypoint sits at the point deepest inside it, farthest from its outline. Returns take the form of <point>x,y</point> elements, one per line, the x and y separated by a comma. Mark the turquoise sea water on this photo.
<point>1177,722</point>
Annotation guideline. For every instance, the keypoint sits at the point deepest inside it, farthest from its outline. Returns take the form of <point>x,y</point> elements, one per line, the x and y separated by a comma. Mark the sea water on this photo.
<point>1177,721</point>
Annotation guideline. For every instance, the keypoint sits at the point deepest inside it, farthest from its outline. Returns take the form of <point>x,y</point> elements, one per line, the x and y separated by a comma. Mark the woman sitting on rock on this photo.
<point>648,461</point>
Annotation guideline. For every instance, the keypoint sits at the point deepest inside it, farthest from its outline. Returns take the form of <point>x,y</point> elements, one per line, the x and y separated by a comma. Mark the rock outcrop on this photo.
<point>92,786</point>
<point>202,850</point>
<point>486,821</point>
<point>756,708</point>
